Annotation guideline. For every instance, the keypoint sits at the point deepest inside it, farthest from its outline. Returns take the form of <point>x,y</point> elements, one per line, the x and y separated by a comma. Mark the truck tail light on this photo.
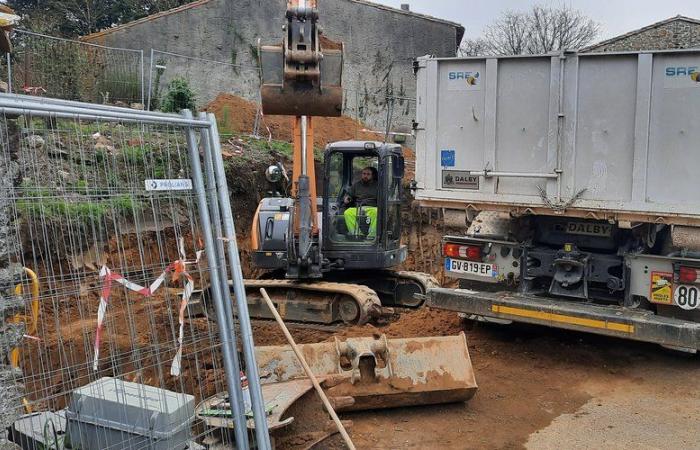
<point>451,250</point>
<point>473,253</point>
<point>470,252</point>
<point>687,274</point>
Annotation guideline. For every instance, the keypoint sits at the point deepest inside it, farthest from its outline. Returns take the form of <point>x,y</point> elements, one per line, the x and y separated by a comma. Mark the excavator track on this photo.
<point>394,287</point>
<point>329,302</point>
<point>320,302</point>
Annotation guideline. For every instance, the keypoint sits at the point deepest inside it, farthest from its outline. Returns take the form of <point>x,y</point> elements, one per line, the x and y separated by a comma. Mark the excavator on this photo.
<point>328,259</point>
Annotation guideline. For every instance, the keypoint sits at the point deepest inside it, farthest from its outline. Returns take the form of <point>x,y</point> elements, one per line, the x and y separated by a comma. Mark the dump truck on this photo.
<point>570,181</point>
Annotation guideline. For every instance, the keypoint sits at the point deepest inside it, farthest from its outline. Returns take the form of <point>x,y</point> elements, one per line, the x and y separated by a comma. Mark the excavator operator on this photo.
<point>361,202</point>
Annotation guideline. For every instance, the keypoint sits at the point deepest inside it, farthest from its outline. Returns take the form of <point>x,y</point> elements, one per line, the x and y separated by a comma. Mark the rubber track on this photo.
<point>367,300</point>
<point>426,280</point>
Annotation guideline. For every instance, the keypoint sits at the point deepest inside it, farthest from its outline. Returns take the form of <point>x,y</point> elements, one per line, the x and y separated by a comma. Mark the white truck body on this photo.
<point>576,177</point>
<point>609,136</point>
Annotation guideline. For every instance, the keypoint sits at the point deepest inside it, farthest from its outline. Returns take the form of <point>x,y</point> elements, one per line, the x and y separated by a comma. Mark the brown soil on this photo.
<point>527,377</point>
<point>237,115</point>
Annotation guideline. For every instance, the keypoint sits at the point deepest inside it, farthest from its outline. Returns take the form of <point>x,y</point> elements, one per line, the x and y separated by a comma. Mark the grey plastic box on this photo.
<point>116,414</point>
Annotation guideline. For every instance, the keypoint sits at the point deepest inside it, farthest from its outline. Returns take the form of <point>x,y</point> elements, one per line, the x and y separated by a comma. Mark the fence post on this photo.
<point>143,96</point>
<point>235,397</point>
<point>9,73</point>
<point>228,345</point>
<point>150,81</point>
<point>261,431</point>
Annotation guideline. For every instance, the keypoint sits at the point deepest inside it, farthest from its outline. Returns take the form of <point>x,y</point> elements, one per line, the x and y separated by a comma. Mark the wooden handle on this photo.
<point>309,373</point>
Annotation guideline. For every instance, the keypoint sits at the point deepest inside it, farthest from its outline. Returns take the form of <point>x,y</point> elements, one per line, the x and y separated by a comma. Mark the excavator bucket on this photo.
<point>376,372</point>
<point>303,75</point>
<point>299,97</point>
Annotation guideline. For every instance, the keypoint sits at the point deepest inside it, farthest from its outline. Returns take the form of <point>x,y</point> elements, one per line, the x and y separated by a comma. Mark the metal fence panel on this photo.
<point>117,251</point>
<point>74,70</point>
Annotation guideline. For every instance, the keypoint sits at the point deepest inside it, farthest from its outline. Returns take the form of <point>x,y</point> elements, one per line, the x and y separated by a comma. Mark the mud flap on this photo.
<point>374,373</point>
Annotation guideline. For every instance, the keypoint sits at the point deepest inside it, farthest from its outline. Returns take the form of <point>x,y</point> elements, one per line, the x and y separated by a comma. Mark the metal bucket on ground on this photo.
<point>377,372</point>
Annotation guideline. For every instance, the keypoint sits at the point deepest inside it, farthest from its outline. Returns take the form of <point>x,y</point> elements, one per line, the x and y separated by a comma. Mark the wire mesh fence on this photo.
<point>75,70</point>
<point>114,241</point>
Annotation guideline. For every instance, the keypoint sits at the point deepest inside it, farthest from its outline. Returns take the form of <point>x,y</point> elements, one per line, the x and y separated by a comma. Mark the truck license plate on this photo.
<point>485,270</point>
<point>687,296</point>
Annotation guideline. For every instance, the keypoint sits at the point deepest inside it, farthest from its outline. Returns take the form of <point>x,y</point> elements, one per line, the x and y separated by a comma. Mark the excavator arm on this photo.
<point>302,77</point>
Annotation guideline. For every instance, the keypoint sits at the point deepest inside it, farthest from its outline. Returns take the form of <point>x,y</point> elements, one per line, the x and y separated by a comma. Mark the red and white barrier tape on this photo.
<point>179,271</point>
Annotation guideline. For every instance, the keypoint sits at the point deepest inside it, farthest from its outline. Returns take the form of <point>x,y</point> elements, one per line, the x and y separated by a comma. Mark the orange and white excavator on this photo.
<point>328,258</point>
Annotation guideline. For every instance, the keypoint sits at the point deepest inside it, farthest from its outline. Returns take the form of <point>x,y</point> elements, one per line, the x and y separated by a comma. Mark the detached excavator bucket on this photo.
<point>374,373</point>
<point>288,91</point>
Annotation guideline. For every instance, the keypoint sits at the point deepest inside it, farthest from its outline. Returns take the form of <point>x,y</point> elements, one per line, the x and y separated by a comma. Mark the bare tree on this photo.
<point>564,28</point>
<point>543,29</point>
<point>472,47</point>
<point>508,35</point>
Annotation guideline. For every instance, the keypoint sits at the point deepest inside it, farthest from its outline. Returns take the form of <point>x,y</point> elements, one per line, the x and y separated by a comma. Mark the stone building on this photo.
<point>380,45</point>
<point>675,32</point>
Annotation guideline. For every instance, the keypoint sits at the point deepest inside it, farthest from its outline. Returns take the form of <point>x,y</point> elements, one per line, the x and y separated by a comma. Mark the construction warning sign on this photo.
<point>662,288</point>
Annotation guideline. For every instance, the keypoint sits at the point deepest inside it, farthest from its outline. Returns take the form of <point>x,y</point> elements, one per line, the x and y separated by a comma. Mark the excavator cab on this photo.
<point>362,205</point>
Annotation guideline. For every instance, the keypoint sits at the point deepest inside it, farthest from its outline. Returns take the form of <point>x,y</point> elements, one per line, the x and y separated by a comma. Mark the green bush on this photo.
<point>134,154</point>
<point>179,96</point>
<point>125,205</point>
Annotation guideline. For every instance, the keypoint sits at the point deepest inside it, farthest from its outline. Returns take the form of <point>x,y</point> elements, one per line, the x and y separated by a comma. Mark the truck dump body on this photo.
<point>602,136</point>
<point>572,177</point>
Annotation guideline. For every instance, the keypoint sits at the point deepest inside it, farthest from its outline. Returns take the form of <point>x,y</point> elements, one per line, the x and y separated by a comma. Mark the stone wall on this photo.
<point>380,45</point>
<point>675,33</point>
<point>10,273</point>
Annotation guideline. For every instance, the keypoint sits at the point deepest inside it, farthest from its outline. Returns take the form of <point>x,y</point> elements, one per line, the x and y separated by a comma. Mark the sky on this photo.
<point>614,16</point>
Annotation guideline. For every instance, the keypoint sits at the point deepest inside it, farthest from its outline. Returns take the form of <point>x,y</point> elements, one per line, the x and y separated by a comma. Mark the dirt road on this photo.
<point>540,388</point>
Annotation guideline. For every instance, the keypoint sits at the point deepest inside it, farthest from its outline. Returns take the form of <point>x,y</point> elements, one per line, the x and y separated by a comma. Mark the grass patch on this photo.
<point>135,154</point>
<point>55,209</point>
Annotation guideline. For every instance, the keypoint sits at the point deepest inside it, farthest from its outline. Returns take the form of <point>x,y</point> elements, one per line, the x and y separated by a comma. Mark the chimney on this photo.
<point>405,7</point>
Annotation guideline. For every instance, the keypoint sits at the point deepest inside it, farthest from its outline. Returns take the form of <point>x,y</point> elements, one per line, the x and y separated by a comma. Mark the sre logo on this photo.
<point>470,78</point>
<point>681,71</point>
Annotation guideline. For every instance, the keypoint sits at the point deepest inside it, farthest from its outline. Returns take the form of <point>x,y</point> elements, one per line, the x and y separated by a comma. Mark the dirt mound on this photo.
<point>237,115</point>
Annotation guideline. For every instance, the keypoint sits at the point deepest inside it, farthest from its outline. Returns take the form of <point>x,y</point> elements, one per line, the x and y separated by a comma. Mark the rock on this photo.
<point>35,142</point>
<point>58,153</point>
<point>10,275</point>
<point>65,176</point>
<point>103,143</point>
<point>104,147</point>
<point>3,86</point>
<point>103,140</point>
<point>137,106</point>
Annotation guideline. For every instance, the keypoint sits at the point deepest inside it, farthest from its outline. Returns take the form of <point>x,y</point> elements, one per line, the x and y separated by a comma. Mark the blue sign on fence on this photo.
<point>447,158</point>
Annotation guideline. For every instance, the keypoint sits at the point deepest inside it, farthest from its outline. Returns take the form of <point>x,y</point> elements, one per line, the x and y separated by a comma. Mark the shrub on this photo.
<point>179,96</point>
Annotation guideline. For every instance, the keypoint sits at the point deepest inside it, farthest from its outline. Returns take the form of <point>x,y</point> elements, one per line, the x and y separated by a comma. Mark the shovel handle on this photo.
<point>308,371</point>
